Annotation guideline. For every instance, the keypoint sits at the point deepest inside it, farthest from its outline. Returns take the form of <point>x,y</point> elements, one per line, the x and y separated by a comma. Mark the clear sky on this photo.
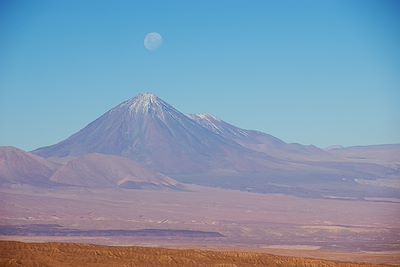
<point>312,72</point>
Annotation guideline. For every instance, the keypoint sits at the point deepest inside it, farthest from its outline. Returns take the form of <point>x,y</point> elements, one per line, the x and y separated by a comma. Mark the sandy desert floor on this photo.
<point>334,229</point>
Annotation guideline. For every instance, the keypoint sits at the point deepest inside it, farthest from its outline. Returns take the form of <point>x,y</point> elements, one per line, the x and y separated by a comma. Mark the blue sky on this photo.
<point>312,72</point>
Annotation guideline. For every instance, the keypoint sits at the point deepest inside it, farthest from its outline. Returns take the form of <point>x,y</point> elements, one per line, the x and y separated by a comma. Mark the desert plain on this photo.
<point>348,230</point>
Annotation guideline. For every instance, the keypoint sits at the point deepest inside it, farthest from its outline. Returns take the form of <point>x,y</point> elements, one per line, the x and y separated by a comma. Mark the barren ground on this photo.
<point>349,230</point>
<point>62,254</point>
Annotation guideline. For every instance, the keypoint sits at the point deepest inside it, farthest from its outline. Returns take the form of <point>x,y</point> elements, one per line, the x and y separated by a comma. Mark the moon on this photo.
<point>153,41</point>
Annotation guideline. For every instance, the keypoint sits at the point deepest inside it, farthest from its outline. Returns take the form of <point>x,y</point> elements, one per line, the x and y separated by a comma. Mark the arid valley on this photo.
<point>336,229</point>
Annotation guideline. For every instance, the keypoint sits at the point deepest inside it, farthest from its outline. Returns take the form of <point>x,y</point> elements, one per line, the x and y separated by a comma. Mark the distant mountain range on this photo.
<point>146,143</point>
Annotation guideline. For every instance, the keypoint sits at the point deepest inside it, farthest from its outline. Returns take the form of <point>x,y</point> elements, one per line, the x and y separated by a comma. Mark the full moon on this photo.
<point>153,41</point>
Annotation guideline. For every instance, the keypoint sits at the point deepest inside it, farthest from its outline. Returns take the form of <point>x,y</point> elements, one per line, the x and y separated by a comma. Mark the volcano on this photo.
<point>203,149</point>
<point>149,130</point>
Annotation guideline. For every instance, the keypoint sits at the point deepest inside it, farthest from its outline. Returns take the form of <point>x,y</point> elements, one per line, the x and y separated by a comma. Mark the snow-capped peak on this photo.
<point>144,103</point>
<point>148,104</point>
<point>207,120</point>
<point>147,97</point>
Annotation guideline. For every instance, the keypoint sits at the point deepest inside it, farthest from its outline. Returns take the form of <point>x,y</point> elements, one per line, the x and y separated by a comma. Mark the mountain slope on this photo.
<point>108,171</point>
<point>150,131</point>
<point>17,166</point>
<point>260,141</point>
<point>203,150</point>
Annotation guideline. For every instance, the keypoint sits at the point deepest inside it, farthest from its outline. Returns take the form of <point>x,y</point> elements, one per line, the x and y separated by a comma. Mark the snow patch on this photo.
<point>216,125</point>
<point>208,121</point>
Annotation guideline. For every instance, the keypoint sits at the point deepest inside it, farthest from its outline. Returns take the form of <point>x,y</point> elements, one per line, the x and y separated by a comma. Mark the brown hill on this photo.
<point>17,166</point>
<point>68,254</point>
<point>108,171</point>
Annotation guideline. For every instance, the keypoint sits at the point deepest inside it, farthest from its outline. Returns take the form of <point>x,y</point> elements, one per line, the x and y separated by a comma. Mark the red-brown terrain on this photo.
<point>61,254</point>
